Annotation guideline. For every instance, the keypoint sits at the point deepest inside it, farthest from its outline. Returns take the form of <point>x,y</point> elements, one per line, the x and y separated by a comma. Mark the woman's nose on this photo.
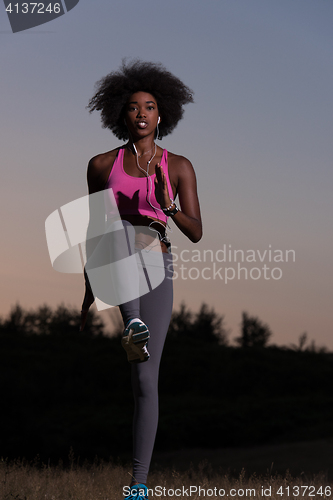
<point>141,113</point>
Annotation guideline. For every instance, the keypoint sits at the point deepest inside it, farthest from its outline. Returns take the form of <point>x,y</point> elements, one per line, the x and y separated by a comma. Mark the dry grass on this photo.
<point>20,480</point>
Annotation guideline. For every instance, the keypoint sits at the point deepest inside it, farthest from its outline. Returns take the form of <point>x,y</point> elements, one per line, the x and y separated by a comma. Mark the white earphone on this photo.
<point>150,189</point>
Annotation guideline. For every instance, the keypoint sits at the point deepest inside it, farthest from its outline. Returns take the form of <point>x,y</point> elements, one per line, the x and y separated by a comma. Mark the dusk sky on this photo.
<point>259,136</point>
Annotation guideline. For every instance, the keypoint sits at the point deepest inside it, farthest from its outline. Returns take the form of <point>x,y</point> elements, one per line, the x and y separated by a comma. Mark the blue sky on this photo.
<point>259,136</point>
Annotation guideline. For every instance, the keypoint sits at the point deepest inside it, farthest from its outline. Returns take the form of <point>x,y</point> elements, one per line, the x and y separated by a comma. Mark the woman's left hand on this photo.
<point>161,187</point>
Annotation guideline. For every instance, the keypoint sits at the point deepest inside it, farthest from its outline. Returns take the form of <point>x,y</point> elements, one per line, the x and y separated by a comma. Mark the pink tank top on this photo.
<point>133,194</point>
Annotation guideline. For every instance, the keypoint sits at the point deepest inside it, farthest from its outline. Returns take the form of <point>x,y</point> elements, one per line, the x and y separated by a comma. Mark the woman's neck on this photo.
<point>141,146</point>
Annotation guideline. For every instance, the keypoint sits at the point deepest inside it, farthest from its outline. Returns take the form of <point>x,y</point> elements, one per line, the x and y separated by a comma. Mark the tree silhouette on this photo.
<point>60,387</point>
<point>311,347</point>
<point>253,332</point>
<point>302,340</point>
<point>205,325</point>
<point>181,321</point>
<point>45,321</point>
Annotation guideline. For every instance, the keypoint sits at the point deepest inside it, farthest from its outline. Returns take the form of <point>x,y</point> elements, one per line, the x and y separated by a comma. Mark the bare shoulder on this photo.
<point>102,161</point>
<point>99,168</point>
<point>180,166</point>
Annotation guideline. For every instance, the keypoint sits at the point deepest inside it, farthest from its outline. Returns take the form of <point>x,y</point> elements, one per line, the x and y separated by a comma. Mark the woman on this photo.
<point>140,103</point>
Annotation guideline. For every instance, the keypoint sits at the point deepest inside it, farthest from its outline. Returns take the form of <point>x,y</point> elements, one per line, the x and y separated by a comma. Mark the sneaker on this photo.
<point>138,492</point>
<point>134,341</point>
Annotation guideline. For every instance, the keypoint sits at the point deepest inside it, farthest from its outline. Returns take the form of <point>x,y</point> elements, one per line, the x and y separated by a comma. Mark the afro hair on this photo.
<point>114,90</point>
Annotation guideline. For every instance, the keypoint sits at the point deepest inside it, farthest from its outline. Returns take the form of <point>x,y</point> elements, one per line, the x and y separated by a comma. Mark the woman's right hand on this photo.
<point>88,300</point>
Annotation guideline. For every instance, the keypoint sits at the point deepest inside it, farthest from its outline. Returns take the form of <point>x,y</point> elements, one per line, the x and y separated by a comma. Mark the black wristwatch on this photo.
<point>172,212</point>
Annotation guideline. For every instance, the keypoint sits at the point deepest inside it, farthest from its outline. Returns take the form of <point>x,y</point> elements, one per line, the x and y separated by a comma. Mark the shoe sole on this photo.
<point>133,344</point>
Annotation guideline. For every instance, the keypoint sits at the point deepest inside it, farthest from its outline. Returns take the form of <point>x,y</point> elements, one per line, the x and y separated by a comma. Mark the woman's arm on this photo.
<point>188,219</point>
<point>98,170</point>
<point>96,183</point>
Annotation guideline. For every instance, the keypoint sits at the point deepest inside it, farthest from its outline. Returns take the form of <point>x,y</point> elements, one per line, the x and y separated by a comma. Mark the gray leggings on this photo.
<point>154,309</point>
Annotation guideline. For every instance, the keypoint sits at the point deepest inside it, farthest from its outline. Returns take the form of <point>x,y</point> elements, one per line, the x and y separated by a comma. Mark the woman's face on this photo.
<point>141,114</point>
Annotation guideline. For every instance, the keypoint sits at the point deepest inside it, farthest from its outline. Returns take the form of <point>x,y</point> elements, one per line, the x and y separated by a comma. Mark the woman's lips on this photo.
<point>142,124</point>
